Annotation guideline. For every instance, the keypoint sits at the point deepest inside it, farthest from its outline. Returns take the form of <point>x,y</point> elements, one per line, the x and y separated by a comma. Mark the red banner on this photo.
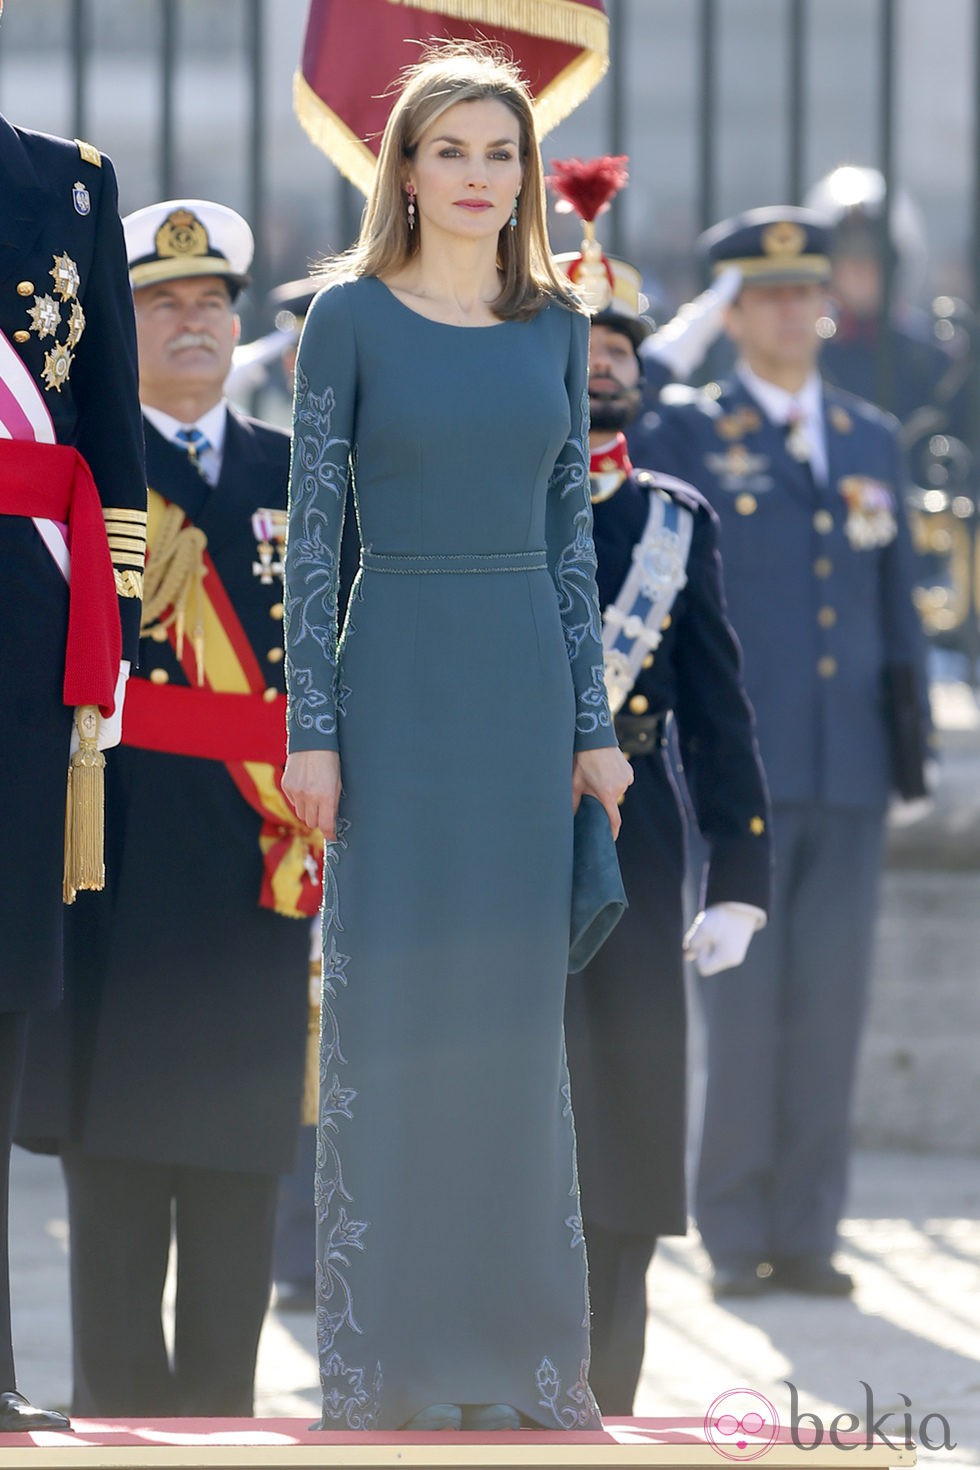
<point>354,50</point>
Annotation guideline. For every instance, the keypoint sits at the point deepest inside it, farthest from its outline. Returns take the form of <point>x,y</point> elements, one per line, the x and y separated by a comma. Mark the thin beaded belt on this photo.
<point>405,564</point>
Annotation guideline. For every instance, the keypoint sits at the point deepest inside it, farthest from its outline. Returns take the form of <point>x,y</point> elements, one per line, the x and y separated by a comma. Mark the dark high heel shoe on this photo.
<point>436,1416</point>
<point>489,1417</point>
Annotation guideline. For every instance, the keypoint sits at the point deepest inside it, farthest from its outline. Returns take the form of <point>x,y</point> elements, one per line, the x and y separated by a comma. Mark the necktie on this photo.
<point>195,443</point>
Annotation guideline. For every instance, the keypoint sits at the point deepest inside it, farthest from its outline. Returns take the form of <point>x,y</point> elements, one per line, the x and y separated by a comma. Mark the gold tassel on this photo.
<point>85,809</point>
<point>311,1076</point>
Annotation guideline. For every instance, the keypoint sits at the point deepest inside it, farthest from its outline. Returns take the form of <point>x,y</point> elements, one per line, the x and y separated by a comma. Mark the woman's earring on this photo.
<point>410,191</point>
<point>513,215</point>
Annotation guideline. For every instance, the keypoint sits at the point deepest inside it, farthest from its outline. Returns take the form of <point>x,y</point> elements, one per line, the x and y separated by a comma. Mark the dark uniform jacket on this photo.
<point>188,1001</point>
<point>57,213</point>
<point>625,1013</point>
<point>819,586</point>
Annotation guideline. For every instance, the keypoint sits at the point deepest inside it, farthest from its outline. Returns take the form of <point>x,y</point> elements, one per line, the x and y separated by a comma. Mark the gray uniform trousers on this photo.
<point>783,1033</point>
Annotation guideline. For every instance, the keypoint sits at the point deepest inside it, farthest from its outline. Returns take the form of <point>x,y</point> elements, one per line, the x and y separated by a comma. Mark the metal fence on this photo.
<point>237,35</point>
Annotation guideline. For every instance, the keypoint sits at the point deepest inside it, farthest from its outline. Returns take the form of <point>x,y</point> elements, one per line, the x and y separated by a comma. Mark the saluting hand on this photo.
<point>604,774</point>
<point>311,785</point>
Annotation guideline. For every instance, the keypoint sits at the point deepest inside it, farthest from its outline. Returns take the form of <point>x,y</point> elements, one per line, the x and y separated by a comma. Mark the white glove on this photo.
<point>681,345</point>
<point>110,730</point>
<point>719,937</point>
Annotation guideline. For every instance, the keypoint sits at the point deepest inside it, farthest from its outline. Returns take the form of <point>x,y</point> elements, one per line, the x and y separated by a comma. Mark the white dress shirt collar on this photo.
<point>211,424</point>
<point>781,406</point>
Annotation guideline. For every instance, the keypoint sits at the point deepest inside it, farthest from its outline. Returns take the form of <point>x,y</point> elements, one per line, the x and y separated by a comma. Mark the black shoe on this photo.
<point>294,1296</point>
<point>17,1416</point>
<point>740,1278</point>
<point>814,1275</point>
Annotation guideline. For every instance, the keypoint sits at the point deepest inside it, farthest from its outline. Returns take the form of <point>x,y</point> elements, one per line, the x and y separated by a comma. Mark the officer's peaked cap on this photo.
<point>181,238</point>
<point>779,244</point>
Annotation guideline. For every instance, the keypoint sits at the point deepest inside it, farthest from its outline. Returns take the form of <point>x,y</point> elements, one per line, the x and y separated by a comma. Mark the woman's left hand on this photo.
<point>604,774</point>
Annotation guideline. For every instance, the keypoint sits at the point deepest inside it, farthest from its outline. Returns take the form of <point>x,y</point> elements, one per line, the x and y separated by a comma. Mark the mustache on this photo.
<point>194,339</point>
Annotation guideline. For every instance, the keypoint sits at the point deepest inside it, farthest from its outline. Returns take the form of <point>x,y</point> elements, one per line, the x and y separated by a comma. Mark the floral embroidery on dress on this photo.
<point>320,463</point>
<point>581,1411</point>
<point>574,572</point>
<point>345,1394</point>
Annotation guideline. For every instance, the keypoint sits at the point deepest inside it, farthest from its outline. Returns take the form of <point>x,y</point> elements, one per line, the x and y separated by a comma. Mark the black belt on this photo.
<point>640,734</point>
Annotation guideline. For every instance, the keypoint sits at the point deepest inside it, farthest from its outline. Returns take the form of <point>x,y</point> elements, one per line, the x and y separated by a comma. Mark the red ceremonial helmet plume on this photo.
<point>587,185</point>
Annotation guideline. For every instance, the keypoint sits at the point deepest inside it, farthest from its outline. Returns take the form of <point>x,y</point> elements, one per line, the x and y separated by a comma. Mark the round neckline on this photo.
<point>450,326</point>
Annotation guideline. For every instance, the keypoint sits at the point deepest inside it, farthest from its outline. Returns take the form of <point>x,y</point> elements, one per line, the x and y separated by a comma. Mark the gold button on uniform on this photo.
<point>823,522</point>
<point>276,611</point>
<point>648,661</point>
<point>25,288</point>
<point>746,505</point>
<point>823,566</point>
<point>827,666</point>
<point>827,617</point>
<point>757,826</point>
<point>275,655</point>
<point>665,624</point>
<point>159,676</point>
<point>22,336</point>
<point>270,694</point>
<point>639,704</point>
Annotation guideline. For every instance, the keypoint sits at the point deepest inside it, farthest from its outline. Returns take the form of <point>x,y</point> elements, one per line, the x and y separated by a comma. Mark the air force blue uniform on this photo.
<point>818,579</point>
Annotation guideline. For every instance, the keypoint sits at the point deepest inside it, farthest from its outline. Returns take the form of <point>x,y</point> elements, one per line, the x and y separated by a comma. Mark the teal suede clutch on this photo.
<point>598,895</point>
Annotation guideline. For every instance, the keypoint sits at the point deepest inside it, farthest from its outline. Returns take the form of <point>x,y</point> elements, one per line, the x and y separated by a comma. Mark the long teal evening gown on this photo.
<point>450,1258</point>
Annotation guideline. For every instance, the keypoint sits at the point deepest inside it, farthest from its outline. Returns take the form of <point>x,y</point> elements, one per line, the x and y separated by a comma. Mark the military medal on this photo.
<point>870,512</point>
<point>81,198</point>
<point>46,314</point>
<point>269,529</point>
<point>797,443</point>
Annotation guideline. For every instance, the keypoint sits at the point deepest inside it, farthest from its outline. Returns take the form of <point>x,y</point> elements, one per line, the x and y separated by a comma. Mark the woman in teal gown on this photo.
<point>444,373</point>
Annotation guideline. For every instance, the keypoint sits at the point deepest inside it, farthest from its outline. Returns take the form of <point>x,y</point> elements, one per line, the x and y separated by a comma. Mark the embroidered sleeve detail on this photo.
<point>320,472</point>
<point>572,557</point>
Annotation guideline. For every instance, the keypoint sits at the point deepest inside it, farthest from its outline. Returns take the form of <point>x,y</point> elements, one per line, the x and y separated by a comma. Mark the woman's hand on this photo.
<point>604,774</point>
<point>311,784</point>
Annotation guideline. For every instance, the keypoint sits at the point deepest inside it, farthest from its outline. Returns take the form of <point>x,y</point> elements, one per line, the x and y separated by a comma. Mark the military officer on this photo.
<point>625,1016</point>
<point>188,979</point>
<point>809,485</point>
<point>71,484</point>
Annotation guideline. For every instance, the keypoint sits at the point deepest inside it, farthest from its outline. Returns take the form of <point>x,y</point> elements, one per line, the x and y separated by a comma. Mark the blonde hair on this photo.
<point>447,73</point>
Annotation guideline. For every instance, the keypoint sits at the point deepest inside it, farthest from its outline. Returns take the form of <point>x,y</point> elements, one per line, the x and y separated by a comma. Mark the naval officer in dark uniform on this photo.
<point>625,1015</point>
<point>809,485</point>
<point>188,977</point>
<point>67,378</point>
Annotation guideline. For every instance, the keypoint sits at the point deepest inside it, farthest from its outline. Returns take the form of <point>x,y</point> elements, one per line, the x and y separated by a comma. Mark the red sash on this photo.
<point>53,482</point>
<point>229,718</point>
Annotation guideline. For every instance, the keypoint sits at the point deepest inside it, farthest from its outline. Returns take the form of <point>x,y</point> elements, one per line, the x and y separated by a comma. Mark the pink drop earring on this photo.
<point>410,191</point>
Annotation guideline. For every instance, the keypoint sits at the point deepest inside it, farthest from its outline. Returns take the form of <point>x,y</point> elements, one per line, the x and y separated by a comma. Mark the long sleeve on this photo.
<point>716,733</point>
<point>104,379</point>
<point>572,558</point>
<point>323,430</point>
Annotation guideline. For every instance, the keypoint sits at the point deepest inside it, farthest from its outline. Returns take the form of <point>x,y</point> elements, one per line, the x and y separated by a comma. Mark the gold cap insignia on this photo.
<point>784,239</point>
<point>181,234</point>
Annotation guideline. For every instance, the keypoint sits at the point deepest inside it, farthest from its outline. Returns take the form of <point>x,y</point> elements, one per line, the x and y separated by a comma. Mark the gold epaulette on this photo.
<point>126,530</point>
<point>89,152</point>
<point>172,580</point>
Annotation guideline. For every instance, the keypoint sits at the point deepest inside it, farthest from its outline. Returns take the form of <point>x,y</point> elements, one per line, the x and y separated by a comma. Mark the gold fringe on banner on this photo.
<point>309,1107</point>
<point>333,137</point>
<point>85,809</point>
<point>569,88</point>
<point>557,20</point>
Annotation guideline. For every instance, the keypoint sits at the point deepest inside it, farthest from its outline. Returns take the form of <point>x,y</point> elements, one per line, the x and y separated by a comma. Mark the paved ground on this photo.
<point>912,1239</point>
